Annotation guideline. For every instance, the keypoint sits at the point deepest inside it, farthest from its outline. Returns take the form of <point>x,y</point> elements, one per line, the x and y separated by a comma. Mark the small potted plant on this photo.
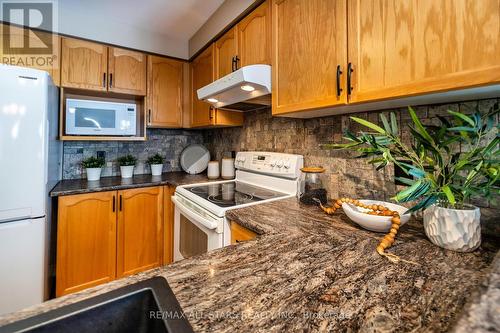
<point>127,164</point>
<point>440,178</point>
<point>156,163</point>
<point>93,166</point>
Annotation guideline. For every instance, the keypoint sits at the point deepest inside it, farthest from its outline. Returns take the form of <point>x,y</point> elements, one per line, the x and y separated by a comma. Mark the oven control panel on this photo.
<point>274,164</point>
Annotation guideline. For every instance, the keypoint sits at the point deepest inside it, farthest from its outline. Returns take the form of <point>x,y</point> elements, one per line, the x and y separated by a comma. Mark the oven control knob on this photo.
<point>279,164</point>
<point>287,165</point>
<point>273,163</point>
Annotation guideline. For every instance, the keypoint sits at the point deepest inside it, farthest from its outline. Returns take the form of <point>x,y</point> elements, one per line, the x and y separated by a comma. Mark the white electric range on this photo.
<point>200,224</point>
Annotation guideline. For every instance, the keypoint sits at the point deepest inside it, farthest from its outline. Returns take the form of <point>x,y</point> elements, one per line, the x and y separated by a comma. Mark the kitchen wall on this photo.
<point>345,175</point>
<point>169,143</point>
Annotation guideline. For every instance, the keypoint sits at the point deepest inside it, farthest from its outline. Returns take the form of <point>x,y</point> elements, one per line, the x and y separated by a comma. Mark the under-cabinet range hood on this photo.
<point>245,89</point>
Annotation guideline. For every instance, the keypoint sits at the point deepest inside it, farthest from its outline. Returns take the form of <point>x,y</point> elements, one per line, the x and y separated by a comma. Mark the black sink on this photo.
<point>146,306</point>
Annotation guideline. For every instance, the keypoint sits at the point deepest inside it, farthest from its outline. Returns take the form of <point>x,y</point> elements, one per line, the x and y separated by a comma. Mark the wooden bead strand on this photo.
<point>378,210</point>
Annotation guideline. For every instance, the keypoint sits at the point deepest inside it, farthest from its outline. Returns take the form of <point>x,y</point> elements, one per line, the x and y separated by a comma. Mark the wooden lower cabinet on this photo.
<point>240,234</point>
<point>168,225</point>
<point>106,235</point>
<point>140,225</point>
<point>86,241</point>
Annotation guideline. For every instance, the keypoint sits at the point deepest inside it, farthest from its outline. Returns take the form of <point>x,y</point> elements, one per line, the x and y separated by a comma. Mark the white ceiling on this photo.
<point>160,26</point>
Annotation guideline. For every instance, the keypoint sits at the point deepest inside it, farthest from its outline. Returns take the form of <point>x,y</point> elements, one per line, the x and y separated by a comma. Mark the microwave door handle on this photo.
<point>193,216</point>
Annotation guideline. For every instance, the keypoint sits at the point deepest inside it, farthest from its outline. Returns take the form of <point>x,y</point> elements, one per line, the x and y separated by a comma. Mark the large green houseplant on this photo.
<point>446,165</point>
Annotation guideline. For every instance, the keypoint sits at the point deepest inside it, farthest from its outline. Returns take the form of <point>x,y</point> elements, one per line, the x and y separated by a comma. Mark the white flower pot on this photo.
<point>127,171</point>
<point>156,169</point>
<point>453,229</point>
<point>93,174</point>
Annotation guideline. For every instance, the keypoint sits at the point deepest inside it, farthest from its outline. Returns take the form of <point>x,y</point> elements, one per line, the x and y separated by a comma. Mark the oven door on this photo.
<point>196,231</point>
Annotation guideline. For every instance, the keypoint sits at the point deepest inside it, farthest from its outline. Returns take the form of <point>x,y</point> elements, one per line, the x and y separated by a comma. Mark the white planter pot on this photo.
<point>127,171</point>
<point>93,174</point>
<point>156,169</point>
<point>453,229</point>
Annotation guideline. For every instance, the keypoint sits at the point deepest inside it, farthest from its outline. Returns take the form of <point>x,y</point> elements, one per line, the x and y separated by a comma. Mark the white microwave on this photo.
<point>87,117</point>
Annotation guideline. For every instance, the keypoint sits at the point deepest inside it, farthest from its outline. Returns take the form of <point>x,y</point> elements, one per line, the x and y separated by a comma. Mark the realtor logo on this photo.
<point>37,15</point>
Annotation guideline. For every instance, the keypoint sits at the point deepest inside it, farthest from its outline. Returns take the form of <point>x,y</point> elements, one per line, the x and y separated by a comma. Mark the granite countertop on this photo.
<point>78,186</point>
<point>311,272</point>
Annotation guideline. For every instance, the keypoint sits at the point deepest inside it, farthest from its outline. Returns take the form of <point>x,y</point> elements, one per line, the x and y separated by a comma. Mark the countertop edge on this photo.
<point>82,186</point>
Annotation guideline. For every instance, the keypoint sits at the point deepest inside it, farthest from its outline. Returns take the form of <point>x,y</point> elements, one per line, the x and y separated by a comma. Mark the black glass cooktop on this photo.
<point>233,193</point>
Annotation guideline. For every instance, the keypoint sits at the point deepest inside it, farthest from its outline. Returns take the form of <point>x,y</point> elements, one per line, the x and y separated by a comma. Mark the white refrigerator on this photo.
<point>30,165</point>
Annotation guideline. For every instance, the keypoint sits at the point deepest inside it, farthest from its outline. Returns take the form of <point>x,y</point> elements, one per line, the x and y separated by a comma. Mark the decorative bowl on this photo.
<point>374,222</point>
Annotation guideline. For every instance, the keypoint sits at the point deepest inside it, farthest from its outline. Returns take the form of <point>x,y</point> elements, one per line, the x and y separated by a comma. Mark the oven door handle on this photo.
<point>193,216</point>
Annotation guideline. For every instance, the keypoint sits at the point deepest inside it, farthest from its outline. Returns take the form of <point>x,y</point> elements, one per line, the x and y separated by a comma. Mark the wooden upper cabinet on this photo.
<point>254,37</point>
<point>140,226</point>
<point>225,54</point>
<point>202,113</point>
<point>127,71</point>
<point>202,73</point>
<point>86,241</point>
<point>402,48</point>
<point>84,65</point>
<point>309,43</point>
<point>49,62</point>
<point>165,85</point>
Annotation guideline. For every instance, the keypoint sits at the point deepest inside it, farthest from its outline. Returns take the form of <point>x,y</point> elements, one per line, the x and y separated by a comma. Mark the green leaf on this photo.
<point>461,129</point>
<point>369,125</point>
<point>419,127</point>
<point>407,192</point>
<point>385,122</point>
<point>394,124</point>
<point>449,195</point>
<point>340,145</point>
<point>417,173</point>
<point>463,117</point>
<point>405,181</point>
<point>424,203</point>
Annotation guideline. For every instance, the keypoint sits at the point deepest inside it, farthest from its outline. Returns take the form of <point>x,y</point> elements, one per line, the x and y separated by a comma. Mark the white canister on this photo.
<point>213,171</point>
<point>228,168</point>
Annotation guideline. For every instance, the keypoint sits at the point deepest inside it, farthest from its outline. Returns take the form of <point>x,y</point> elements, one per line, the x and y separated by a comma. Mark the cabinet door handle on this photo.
<point>339,89</point>
<point>114,203</point>
<point>236,60</point>
<point>111,80</point>
<point>104,80</point>
<point>121,204</point>
<point>149,116</point>
<point>349,72</point>
<point>210,113</point>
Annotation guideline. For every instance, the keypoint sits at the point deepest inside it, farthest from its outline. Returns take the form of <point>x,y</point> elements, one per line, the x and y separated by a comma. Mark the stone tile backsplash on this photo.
<point>345,175</point>
<point>169,143</point>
